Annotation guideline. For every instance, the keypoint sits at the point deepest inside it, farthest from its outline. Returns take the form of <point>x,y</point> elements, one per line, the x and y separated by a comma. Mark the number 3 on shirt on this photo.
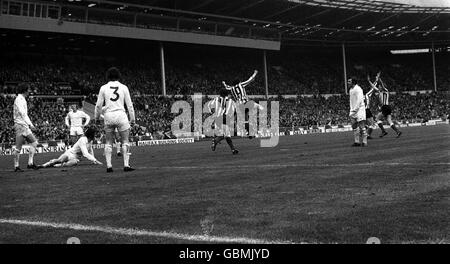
<point>115,93</point>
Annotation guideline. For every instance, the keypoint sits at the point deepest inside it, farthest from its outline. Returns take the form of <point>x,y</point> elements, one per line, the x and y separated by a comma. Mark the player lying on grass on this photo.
<point>83,147</point>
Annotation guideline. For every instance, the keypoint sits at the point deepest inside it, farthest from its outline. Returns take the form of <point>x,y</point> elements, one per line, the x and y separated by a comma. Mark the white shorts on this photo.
<point>359,116</point>
<point>76,131</point>
<point>116,119</point>
<point>22,130</point>
<point>70,155</point>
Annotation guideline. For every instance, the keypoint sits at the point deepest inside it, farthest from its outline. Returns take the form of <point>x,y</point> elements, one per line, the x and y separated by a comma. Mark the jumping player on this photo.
<point>23,127</point>
<point>370,122</point>
<point>224,107</point>
<point>239,95</point>
<point>83,147</point>
<point>386,110</point>
<point>115,96</point>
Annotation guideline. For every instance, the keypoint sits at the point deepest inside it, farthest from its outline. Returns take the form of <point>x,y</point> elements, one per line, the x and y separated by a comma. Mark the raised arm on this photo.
<point>373,85</point>
<point>251,79</point>
<point>384,87</point>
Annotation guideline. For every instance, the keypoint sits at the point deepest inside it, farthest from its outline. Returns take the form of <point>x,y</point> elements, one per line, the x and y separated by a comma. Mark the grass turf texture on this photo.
<point>310,188</point>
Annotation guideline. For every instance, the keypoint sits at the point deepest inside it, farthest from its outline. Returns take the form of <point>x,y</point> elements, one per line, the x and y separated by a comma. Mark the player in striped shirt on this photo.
<point>224,107</point>
<point>239,95</point>
<point>370,122</point>
<point>386,110</point>
<point>238,91</point>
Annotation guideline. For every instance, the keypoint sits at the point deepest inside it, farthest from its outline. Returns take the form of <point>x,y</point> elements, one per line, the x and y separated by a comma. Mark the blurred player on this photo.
<point>115,97</point>
<point>386,110</point>
<point>74,120</point>
<point>370,122</point>
<point>239,95</point>
<point>224,107</point>
<point>357,113</point>
<point>22,128</point>
<point>83,147</point>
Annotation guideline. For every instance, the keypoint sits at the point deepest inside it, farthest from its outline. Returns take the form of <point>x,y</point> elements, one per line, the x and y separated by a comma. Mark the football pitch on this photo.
<point>309,189</point>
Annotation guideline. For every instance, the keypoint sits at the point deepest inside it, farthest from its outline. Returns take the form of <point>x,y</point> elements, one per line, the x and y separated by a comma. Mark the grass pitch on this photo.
<point>310,188</point>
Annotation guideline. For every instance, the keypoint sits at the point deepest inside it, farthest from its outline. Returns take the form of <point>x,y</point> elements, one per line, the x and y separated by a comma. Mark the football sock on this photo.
<point>356,133</point>
<point>230,143</point>
<point>16,157</point>
<point>126,154</point>
<point>380,125</point>
<point>364,135</point>
<point>108,153</point>
<point>395,128</point>
<point>31,154</point>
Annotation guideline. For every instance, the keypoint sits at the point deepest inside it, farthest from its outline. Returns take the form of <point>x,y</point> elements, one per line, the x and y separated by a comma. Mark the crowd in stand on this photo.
<point>184,76</point>
<point>154,117</point>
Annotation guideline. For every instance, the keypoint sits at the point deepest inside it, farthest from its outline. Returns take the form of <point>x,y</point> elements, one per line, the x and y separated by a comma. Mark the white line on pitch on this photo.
<point>223,166</point>
<point>141,232</point>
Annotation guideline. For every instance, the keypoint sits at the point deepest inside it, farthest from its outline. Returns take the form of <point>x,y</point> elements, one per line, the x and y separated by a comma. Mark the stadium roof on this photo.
<point>357,22</point>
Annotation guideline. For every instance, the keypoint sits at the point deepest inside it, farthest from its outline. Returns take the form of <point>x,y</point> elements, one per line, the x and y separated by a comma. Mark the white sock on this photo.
<point>31,154</point>
<point>126,154</point>
<point>108,153</point>
<point>364,135</point>
<point>16,158</point>
<point>356,134</point>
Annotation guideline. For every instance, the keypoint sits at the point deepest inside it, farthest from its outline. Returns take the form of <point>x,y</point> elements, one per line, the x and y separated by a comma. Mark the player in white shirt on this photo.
<point>357,113</point>
<point>83,147</point>
<point>74,120</point>
<point>22,127</point>
<point>112,99</point>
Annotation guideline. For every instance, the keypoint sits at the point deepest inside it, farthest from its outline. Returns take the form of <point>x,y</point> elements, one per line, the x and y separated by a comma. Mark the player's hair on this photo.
<point>224,93</point>
<point>354,80</point>
<point>235,82</point>
<point>113,74</point>
<point>22,88</point>
<point>90,133</point>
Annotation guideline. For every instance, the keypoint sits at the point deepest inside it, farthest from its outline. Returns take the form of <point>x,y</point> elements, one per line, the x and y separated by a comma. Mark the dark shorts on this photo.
<point>368,113</point>
<point>386,110</point>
